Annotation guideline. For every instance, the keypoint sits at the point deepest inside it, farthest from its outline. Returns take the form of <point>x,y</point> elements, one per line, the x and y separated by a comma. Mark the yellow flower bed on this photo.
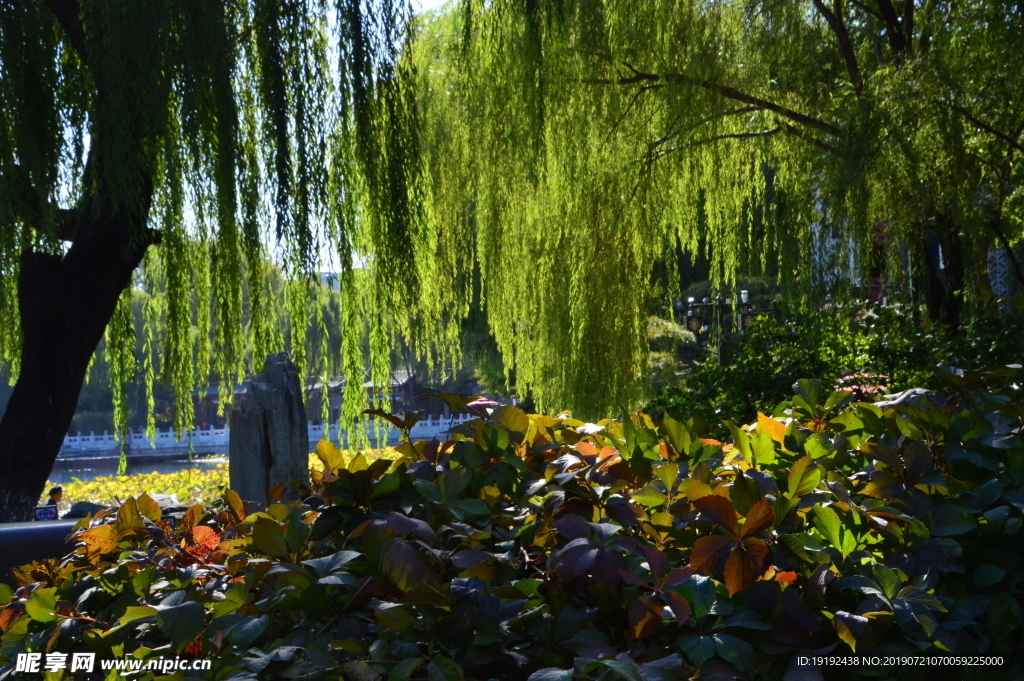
<point>192,485</point>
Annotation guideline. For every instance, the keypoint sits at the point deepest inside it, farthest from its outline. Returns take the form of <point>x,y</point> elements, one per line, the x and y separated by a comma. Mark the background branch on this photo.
<point>67,13</point>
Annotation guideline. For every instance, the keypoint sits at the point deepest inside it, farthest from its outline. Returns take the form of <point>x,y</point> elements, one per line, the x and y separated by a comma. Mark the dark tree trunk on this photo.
<point>944,273</point>
<point>956,266</point>
<point>65,304</point>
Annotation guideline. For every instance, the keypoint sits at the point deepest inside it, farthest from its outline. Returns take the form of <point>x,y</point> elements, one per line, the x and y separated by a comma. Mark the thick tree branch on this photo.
<point>814,141</point>
<point>868,10</point>
<point>36,212</point>
<point>738,96</point>
<point>908,22</point>
<point>835,22</point>
<point>723,91</point>
<point>653,155</point>
<point>67,14</point>
<point>984,126</point>
<point>893,29</point>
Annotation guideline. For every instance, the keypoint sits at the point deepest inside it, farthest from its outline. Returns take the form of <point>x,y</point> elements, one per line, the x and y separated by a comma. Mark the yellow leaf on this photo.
<point>234,502</point>
<point>192,517</point>
<point>99,540</point>
<point>844,633</point>
<point>358,463</point>
<point>694,489</point>
<point>771,427</point>
<point>148,507</point>
<point>128,518</point>
<point>330,455</point>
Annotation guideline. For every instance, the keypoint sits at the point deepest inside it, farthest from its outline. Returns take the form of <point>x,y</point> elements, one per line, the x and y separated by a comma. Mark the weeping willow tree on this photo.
<point>176,147</point>
<point>585,140</point>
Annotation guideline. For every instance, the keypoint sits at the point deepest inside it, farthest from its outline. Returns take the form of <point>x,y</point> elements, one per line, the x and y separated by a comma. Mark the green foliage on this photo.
<point>587,143</point>
<point>870,350</point>
<point>530,547</point>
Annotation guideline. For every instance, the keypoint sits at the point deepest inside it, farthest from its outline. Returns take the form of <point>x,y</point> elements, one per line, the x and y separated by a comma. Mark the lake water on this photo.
<point>66,469</point>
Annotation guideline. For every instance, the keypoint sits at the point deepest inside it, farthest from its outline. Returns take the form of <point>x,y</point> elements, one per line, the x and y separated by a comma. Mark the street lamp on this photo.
<point>694,321</point>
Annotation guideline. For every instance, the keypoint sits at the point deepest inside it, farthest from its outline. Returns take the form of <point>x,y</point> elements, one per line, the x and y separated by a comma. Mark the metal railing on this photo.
<point>216,440</point>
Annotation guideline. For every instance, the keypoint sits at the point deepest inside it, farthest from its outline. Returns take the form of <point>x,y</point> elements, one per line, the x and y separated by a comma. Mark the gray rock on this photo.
<point>81,509</point>
<point>915,397</point>
<point>166,501</point>
<point>269,440</point>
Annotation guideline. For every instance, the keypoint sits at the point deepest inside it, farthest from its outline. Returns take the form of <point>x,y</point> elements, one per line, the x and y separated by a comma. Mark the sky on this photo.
<point>426,5</point>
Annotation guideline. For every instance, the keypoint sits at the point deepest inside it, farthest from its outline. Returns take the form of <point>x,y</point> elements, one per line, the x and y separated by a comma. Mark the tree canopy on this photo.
<point>586,140</point>
<point>556,150</point>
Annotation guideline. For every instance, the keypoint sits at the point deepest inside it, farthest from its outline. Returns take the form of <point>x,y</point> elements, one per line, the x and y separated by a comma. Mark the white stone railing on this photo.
<point>216,439</point>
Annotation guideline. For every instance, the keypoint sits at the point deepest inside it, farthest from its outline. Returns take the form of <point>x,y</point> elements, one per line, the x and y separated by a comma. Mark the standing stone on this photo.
<point>269,442</point>
<point>1000,278</point>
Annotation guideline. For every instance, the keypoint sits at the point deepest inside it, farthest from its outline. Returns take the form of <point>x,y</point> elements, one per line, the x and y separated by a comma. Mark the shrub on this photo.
<point>191,485</point>
<point>852,345</point>
<point>531,547</point>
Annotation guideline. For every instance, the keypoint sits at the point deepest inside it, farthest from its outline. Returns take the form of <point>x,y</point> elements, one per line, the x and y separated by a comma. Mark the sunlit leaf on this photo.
<point>804,477</point>
<point>738,571</point>
<point>128,518</point>
<point>644,616</point>
<point>330,455</point>
<point>759,518</point>
<point>148,507</point>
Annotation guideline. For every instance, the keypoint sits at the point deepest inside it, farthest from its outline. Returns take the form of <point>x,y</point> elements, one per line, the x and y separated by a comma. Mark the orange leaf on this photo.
<point>738,571</point>
<point>785,577</point>
<point>644,616</point>
<point>276,492</point>
<point>708,552</point>
<point>609,456</point>
<point>9,614</point>
<point>771,428</point>
<point>759,517</point>
<point>206,537</point>
<point>720,510</point>
<point>705,441</point>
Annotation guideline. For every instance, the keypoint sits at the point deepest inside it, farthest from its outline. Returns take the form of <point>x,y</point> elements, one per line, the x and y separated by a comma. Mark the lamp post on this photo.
<point>701,315</point>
